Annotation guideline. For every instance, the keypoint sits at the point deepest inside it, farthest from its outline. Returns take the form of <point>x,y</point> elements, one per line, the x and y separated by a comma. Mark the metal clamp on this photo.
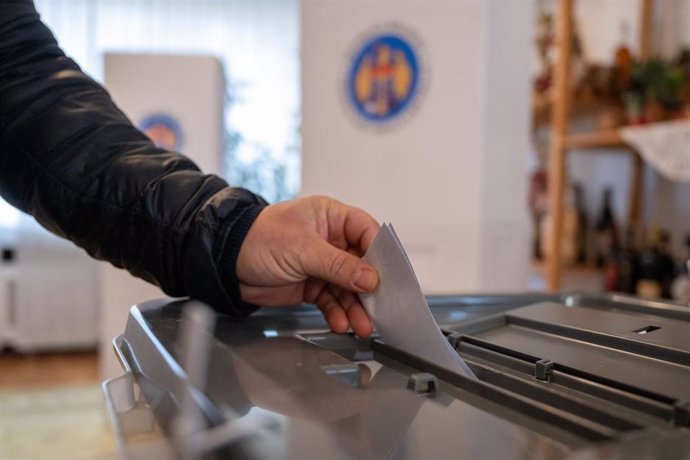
<point>423,383</point>
<point>543,370</point>
<point>454,339</point>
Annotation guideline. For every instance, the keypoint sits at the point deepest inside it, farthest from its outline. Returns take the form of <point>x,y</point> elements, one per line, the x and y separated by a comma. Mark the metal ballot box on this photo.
<point>558,376</point>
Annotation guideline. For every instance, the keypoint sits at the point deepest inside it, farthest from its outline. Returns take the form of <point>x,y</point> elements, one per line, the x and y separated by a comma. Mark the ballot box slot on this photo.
<point>587,402</point>
<point>638,347</point>
<point>588,385</point>
<point>595,349</point>
<point>581,385</point>
<point>592,430</point>
<point>552,398</point>
<point>475,351</point>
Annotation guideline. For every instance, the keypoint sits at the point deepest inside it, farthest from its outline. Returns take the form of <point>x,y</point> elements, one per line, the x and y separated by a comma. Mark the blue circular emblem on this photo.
<point>383,78</point>
<point>163,130</point>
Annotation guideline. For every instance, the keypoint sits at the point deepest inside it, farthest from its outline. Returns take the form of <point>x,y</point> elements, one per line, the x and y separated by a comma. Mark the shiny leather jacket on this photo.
<point>72,159</point>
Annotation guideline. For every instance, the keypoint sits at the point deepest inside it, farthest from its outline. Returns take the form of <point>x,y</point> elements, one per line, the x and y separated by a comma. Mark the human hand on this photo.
<point>309,250</point>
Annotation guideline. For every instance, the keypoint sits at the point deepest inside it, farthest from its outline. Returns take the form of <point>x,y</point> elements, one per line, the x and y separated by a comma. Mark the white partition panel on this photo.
<point>178,101</point>
<point>448,166</point>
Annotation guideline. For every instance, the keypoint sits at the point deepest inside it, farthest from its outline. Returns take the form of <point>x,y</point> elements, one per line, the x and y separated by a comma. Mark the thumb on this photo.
<point>335,266</point>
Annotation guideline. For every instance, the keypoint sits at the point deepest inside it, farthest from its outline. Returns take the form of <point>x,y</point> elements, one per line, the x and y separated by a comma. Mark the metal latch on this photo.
<point>423,383</point>
<point>543,370</point>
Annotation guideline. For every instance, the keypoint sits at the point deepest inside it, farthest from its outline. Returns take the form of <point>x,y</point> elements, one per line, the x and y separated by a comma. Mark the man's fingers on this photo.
<point>332,311</point>
<point>359,320</point>
<point>360,228</point>
<point>338,267</point>
<point>356,315</point>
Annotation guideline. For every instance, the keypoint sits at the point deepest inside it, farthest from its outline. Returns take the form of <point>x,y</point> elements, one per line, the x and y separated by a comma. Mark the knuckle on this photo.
<point>338,265</point>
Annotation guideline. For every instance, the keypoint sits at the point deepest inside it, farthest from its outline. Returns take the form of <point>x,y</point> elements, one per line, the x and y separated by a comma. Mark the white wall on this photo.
<point>506,122</point>
<point>600,24</point>
<point>673,26</point>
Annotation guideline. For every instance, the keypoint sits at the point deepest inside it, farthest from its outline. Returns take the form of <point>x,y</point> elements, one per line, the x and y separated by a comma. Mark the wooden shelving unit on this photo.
<point>604,139</point>
<point>562,141</point>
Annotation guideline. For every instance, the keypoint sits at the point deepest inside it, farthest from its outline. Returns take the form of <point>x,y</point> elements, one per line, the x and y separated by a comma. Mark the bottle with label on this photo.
<point>655,267</point>
<point>606,229</point>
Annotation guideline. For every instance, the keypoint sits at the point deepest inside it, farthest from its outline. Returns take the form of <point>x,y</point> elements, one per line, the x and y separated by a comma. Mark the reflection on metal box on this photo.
<point>558,376</point>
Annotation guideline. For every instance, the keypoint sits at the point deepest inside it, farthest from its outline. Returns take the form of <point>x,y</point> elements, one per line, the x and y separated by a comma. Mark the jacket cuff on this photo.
<point>227,263</point>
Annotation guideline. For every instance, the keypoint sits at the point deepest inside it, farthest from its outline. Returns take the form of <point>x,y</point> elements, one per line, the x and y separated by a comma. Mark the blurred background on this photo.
<point>516,145</point>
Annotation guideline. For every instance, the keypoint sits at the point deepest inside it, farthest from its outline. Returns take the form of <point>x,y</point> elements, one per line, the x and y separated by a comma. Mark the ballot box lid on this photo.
<point>557,376</point>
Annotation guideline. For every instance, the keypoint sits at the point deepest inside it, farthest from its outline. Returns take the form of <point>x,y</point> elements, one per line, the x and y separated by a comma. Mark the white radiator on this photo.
<point>48,295</point>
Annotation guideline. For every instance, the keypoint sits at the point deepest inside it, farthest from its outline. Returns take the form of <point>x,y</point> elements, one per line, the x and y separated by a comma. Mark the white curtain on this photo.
<point>258,42</point>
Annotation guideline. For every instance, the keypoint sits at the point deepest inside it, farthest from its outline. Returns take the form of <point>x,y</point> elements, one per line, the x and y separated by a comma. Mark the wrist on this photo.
<point>235,234</point>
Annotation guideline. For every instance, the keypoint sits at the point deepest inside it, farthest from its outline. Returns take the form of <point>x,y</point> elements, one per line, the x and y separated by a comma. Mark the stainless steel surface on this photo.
<point>557,376</point>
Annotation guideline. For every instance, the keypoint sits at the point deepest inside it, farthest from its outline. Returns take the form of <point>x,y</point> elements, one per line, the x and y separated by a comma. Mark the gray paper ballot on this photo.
<point>399,310</point>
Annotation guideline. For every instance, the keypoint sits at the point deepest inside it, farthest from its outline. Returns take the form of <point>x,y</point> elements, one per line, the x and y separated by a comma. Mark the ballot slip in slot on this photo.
<point>399,309</point>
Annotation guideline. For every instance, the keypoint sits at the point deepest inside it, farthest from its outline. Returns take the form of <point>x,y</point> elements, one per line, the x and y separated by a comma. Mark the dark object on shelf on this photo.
<point>582,240</point>
<point>604,376</point>
<point>537,202</point>
<point>606,230</point>
<point>680,288</point>
<point>656,267</point>
<point>611,273</point>
<point>627,265</point>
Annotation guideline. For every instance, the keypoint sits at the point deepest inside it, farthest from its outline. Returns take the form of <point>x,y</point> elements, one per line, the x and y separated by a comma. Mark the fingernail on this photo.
<point>365,279</point>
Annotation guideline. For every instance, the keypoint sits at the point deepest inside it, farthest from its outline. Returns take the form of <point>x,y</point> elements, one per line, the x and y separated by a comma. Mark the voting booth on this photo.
<point>178,102</point>
<point>418,112</point>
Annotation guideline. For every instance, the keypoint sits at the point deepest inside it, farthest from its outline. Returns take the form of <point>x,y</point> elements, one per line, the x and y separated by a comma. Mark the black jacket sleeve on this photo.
<point>70,158</point>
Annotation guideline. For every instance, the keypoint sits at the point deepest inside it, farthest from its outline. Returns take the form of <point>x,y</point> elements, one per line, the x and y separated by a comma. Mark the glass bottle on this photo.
<point>626,260</point>
<point>606,229</point>
<point>655,267</point>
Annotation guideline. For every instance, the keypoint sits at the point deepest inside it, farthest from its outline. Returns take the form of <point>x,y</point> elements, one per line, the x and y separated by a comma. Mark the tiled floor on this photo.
<point>51,407</point>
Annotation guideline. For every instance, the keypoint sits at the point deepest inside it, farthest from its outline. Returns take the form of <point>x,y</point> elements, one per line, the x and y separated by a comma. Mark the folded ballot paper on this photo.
<point>399,310</point>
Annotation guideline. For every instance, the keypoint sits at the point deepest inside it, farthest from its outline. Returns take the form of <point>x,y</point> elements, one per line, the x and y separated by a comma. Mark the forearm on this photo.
<point>71,159</point>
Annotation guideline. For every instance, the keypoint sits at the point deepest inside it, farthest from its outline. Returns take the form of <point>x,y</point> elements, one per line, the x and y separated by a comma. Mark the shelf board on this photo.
<point>609,138</point>
<point>578,269</point>
<point>579,108</point>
